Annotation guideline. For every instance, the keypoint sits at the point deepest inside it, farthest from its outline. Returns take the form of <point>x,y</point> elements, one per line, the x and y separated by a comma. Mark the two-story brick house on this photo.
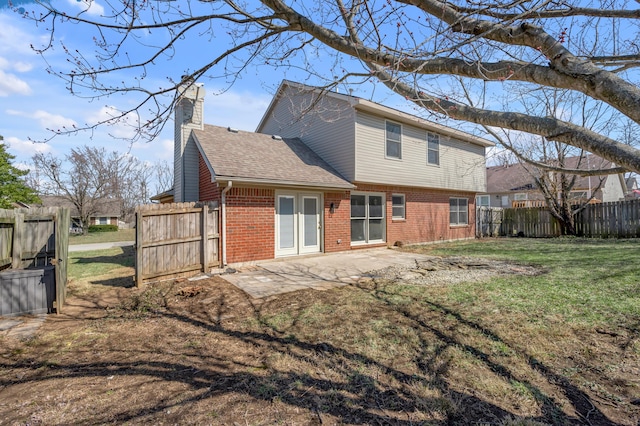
<point>328,172</point>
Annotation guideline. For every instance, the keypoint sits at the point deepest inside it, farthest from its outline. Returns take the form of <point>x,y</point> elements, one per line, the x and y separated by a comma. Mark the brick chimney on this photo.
<point>189,115</point>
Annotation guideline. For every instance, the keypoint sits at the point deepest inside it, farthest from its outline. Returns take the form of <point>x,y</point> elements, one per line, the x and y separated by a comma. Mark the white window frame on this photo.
<point>457,211</point>
<point>481,203</point>
<point>395,206</point>
<point>433,138</point>
<point>520,196</point>
<point>387,140</point>
<point>367,218</point>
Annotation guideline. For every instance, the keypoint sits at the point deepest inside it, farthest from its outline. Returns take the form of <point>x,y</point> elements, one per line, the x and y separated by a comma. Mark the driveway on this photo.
<point>320,272</point>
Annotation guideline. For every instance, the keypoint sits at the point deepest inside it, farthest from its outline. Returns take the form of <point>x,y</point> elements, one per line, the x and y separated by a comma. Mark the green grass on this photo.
<point>586,280</point>
<point>103,237</point>
<point>92,269</point>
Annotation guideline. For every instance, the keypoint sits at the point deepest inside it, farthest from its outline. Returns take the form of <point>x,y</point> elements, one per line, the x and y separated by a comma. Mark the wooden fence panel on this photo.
<point>600,220</point>
<point>616,219</point>
<point>176,240</point>
<point>488,221</point>
<point>529,222</point>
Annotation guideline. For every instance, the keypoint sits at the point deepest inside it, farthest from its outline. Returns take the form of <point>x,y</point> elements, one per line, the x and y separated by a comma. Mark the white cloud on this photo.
<point>22,66</point>
<point>241,110</point>
<point>155,150</point>
<point>11,85</point>
<point>46,119</point>
<point>120,127</point>
<point>13,40</point>
<point>90,7</point>
<point>25,147</point>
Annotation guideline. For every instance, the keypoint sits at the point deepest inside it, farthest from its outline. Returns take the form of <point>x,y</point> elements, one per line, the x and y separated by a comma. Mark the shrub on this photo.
<point>103,228</point>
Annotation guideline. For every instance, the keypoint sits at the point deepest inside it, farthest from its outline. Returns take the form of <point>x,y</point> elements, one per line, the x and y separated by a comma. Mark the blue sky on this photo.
<point>31,101</point>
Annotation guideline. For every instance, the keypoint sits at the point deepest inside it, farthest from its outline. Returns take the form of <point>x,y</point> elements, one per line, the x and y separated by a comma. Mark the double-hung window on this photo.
<point>367,218</point>
<point>397,206</point>
<point>458,211</point>
<point>393,146</point>
<point>433,149</point>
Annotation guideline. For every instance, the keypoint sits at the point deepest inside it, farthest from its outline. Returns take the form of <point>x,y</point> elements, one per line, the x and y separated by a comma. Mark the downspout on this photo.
<point>224,222</point>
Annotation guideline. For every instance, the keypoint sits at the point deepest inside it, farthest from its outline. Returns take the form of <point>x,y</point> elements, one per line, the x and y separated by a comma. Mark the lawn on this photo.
<point>103,237</point>
<point>558,347</point>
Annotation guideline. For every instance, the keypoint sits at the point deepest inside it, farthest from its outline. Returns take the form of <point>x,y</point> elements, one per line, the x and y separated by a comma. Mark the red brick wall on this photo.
<point>337,225</point>
<point>250,224</point>
<point>426,215</point>
<point>251,217</point>
<point>207,191</point>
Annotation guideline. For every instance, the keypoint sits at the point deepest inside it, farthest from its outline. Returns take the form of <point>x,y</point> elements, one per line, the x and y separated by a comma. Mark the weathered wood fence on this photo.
<point>488,221</point>
<point>176,240</point>
<point>34,245</point>
<point>616,220</point>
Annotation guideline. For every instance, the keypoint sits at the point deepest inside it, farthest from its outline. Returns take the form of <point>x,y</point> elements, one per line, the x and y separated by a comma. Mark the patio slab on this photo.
<point>318,272</point>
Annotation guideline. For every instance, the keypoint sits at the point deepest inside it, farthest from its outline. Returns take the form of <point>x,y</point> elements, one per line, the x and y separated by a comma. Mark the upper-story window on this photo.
<point>393,140</point>
<point>433,148</point>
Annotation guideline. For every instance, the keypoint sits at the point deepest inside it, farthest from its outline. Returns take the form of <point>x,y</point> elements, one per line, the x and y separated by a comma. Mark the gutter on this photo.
<point>224,222</point>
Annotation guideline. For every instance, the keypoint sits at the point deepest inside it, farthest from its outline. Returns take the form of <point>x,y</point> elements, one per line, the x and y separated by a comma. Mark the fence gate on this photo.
<point>33,260</point>
<point>488,221</point>
<point>176,240</point>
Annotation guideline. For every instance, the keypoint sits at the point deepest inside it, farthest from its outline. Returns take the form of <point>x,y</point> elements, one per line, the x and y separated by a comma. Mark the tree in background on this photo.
<point>555,167</point>
<point>13,188</point>
<point>419,49</point>
<point>90,178</point>
<point>82,180</point>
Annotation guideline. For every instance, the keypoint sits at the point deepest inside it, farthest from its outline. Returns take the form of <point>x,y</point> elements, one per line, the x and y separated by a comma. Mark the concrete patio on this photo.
<point>319,272</point>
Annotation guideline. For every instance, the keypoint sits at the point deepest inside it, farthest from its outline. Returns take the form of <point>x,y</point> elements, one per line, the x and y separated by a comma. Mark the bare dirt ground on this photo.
<point>203,352</point>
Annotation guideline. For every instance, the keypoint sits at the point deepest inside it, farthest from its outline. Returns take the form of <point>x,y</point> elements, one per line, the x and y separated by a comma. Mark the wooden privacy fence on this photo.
<point>488,221</point>
<point>176,240</point>
<point>621,220</point>
<point>34,245</point>
<point>616,219</point>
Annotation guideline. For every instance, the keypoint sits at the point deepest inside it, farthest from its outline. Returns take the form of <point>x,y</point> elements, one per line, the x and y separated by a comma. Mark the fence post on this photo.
<point>139,218</point>
<point>205,238</point>
<point>18,228</point>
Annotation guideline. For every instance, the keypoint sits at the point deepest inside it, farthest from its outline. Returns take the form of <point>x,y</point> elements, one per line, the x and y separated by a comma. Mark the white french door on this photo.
<point>298,223</point>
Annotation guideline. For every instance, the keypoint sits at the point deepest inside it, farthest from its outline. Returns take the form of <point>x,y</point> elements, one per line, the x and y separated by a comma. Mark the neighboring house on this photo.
<point>633,191</point>
<point>327,172</point>
<point>513,186</point>
<point>108,211</point>
<point>164,197</point>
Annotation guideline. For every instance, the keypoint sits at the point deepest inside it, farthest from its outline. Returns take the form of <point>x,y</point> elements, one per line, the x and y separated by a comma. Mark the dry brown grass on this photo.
<point>378,353</point>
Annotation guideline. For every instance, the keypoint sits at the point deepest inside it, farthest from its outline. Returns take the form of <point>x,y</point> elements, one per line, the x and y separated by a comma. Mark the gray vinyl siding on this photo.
<point>191,190</point>
<point>189,115</point>
<point>462,164</point>
<point>326,126</point>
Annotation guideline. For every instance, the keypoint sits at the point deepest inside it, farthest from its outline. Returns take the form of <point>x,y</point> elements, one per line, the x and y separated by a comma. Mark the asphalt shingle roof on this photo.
<point>261,158</point>
<point>514,177</point>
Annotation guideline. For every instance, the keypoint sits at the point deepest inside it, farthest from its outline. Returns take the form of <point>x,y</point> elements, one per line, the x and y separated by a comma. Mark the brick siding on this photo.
<point>426,214</point>
<point>251,217</point>
<point>337,225</point>
<point>207,191</point>
<point>250,224</point>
